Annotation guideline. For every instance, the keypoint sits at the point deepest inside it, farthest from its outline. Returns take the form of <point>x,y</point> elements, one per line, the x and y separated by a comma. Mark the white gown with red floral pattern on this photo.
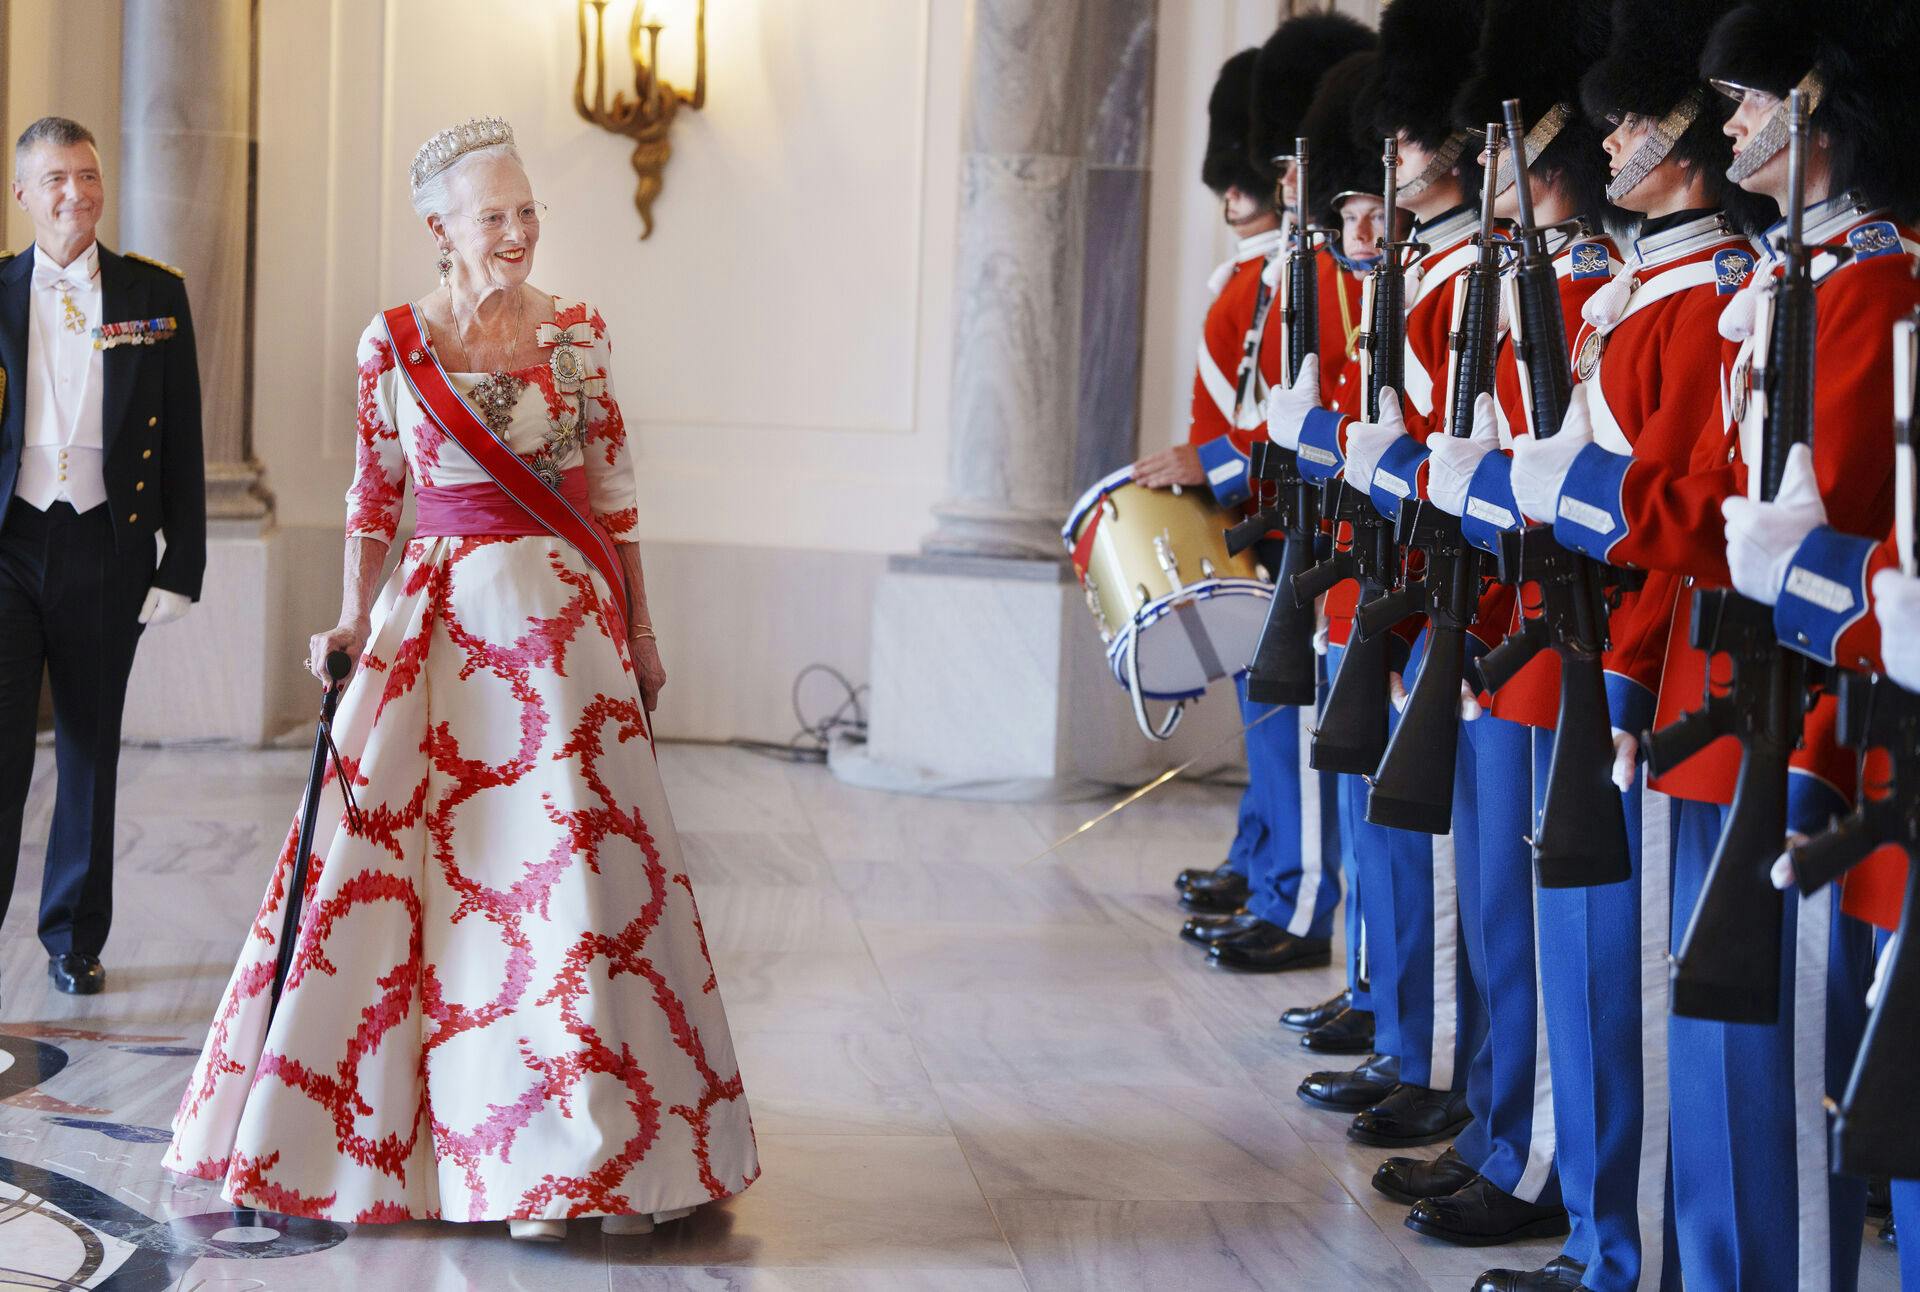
<point>502,1005</point>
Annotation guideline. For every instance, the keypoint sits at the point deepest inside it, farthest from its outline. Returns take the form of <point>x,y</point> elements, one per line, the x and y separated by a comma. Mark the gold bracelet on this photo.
<point>643,633</point>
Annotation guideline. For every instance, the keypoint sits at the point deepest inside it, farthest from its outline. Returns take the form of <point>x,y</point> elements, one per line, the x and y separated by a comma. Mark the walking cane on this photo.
<point>339,665</point>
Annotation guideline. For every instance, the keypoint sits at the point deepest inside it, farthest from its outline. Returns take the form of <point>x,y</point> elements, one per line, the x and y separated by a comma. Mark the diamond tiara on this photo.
<point>451,144</point>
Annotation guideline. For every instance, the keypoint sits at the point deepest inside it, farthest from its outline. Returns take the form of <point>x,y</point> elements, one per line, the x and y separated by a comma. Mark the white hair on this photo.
<point>435,197</point>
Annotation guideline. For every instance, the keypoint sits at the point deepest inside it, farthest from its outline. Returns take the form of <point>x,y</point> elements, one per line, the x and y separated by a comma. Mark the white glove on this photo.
<point>1740,313</point>
<point>1896,603</point>
<point>163,607</point>
<point>1763,536</point>
<point>1287,408</point>
<point>1450,469</point>
<point>1626,754</point>
<point>1540,466</point>
<point>1880,970</point>
<point>1368,442</point>
<point>1397,692</point>
<point>1470,710</point>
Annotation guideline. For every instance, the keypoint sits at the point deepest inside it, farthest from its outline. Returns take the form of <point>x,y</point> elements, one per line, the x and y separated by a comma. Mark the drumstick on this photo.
<point>1135,796</point>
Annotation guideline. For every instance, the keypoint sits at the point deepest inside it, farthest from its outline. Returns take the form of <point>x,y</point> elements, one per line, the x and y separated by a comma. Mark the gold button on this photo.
<point>139,485</point>
<point>153,421</point>
<point>63,475</point>
<point>146,453</point>
<point>132,518</point>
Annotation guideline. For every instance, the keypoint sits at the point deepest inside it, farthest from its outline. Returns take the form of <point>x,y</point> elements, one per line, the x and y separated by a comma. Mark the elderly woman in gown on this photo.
<point>501,1005</point>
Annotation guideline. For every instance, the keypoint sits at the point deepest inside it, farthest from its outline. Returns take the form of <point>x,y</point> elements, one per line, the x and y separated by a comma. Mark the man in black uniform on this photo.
<point>99,454</point>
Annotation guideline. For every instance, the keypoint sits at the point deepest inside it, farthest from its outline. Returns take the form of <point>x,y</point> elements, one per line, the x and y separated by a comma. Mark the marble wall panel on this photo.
<point>1112,322</point>
<point>1026,68</point>
<point>1119,38</point>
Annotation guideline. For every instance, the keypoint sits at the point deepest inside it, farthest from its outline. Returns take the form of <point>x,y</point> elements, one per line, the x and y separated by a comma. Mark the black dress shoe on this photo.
<point>1222,892</point>
<point>1192,873</point>
<point>1304,1018</point>
<point>1412,1116</point>
<point>1352,1090</point>
<point>1205,930</point>
<point>1351,1032</point>
<point>77,974</point>
<point>1561,1274</point>
<point>1409,1179</point>
<point>1481,1215</point>
<point>1268,948</point>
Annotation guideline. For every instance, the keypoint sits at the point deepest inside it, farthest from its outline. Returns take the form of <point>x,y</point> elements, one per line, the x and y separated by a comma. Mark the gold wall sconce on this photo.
<point>647,117</point>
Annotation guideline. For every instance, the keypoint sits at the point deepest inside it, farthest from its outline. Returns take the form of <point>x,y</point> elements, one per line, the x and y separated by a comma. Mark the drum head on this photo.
<point>1193,638</point>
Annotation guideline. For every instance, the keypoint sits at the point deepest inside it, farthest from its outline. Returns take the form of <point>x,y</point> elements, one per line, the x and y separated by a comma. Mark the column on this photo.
<point>988,676</point>
<point>185,197</point>
<point>1048,280</point>
<point>186,124</point>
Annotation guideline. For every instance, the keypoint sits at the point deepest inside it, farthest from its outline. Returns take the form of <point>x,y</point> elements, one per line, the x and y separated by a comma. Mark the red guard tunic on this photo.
<point>1646,513</point>
<point>1226,418</point>
<point>1641,363</point>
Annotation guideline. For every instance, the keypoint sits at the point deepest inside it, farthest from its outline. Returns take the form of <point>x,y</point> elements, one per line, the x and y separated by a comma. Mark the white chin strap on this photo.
<point>1656,147</point>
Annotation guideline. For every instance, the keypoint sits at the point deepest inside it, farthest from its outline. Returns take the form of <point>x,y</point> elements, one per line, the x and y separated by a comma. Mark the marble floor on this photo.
<point>970,1070</point>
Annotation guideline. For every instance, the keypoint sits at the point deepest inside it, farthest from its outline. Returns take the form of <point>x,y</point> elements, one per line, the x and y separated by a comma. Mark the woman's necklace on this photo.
<point>513,336</point>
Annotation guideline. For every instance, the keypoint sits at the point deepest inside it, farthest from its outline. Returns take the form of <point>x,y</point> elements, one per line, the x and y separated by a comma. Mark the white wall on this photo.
<point>781,340</point>
<point>62,59</point>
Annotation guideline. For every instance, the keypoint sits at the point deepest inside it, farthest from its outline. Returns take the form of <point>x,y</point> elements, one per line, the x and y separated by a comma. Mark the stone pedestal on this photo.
<point>989,681</point>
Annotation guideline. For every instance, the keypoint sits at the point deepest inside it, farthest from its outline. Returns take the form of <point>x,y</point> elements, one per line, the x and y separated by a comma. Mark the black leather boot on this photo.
<point>1561,1274</point>
<point>1350,1032</point>
<point>1481,1215</point>
<point>1221,892</point>
<point>1409,1179</point>
<point>1304,1018</point>
<point>1205,930</point>
<point>1412,1116</point>
<point>1191,873</point>
<point>1269,948</point>
<point>1354,1089</point>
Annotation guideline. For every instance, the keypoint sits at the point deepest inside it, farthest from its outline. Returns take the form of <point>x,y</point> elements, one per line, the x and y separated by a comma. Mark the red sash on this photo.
<point>455,416</point>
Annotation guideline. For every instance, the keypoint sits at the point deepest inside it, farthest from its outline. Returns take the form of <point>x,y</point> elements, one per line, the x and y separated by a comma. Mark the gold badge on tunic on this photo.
<point>1589,358</point>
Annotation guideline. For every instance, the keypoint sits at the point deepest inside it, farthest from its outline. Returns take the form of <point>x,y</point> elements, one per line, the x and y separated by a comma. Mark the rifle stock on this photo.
<point>1285,668</point>
<point>1874,1130</point>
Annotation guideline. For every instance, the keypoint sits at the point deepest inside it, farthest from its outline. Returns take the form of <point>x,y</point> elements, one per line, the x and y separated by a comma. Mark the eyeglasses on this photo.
<point>529,216</point>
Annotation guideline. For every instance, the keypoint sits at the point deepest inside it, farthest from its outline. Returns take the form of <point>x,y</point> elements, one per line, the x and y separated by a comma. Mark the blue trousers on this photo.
<point>1511,1139</point>
<point>1247,833</point>
<point>1756,1207</point>
<point>1906,1221</point>
<point>1425,1010</point>
<point>1603,985</point>
<point>1293,874</point>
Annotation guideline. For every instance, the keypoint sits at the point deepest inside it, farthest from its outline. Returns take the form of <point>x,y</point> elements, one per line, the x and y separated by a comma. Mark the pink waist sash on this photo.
<point>485,510</point>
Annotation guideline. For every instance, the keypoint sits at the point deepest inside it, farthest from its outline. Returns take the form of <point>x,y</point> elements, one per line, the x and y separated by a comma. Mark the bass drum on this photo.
<point>1176,610</point>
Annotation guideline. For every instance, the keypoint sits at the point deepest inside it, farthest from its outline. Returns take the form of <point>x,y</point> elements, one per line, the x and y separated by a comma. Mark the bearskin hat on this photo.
<point>1652,63</point>
<point>1290,65</point>
<point>1865,52</point>
<point>1535,51</point>
<point>1426,47</point>
<point>1225,164</point>
<point>1341,159</point>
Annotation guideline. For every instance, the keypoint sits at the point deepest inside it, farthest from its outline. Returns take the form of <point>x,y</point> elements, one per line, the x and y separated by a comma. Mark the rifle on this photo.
<point>1874,1132</point>
<point>1728,967</point>
<point>1285,669</point>
<point>1413,788</point>
<point>1581,837</point>
<point>1352,735</point>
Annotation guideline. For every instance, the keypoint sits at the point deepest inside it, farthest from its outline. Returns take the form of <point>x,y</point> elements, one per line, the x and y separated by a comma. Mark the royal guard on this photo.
<point>1748,1125</point>
<point>1641,340</point>
<point>1498,1182</point>
<point>1345,183</point>
<point>1422,995</point>
<point>1234,288</point>
<point>1293,871</point>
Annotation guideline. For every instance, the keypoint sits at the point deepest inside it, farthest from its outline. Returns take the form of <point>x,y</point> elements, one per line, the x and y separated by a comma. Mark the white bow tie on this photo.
<point>62,278</point>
